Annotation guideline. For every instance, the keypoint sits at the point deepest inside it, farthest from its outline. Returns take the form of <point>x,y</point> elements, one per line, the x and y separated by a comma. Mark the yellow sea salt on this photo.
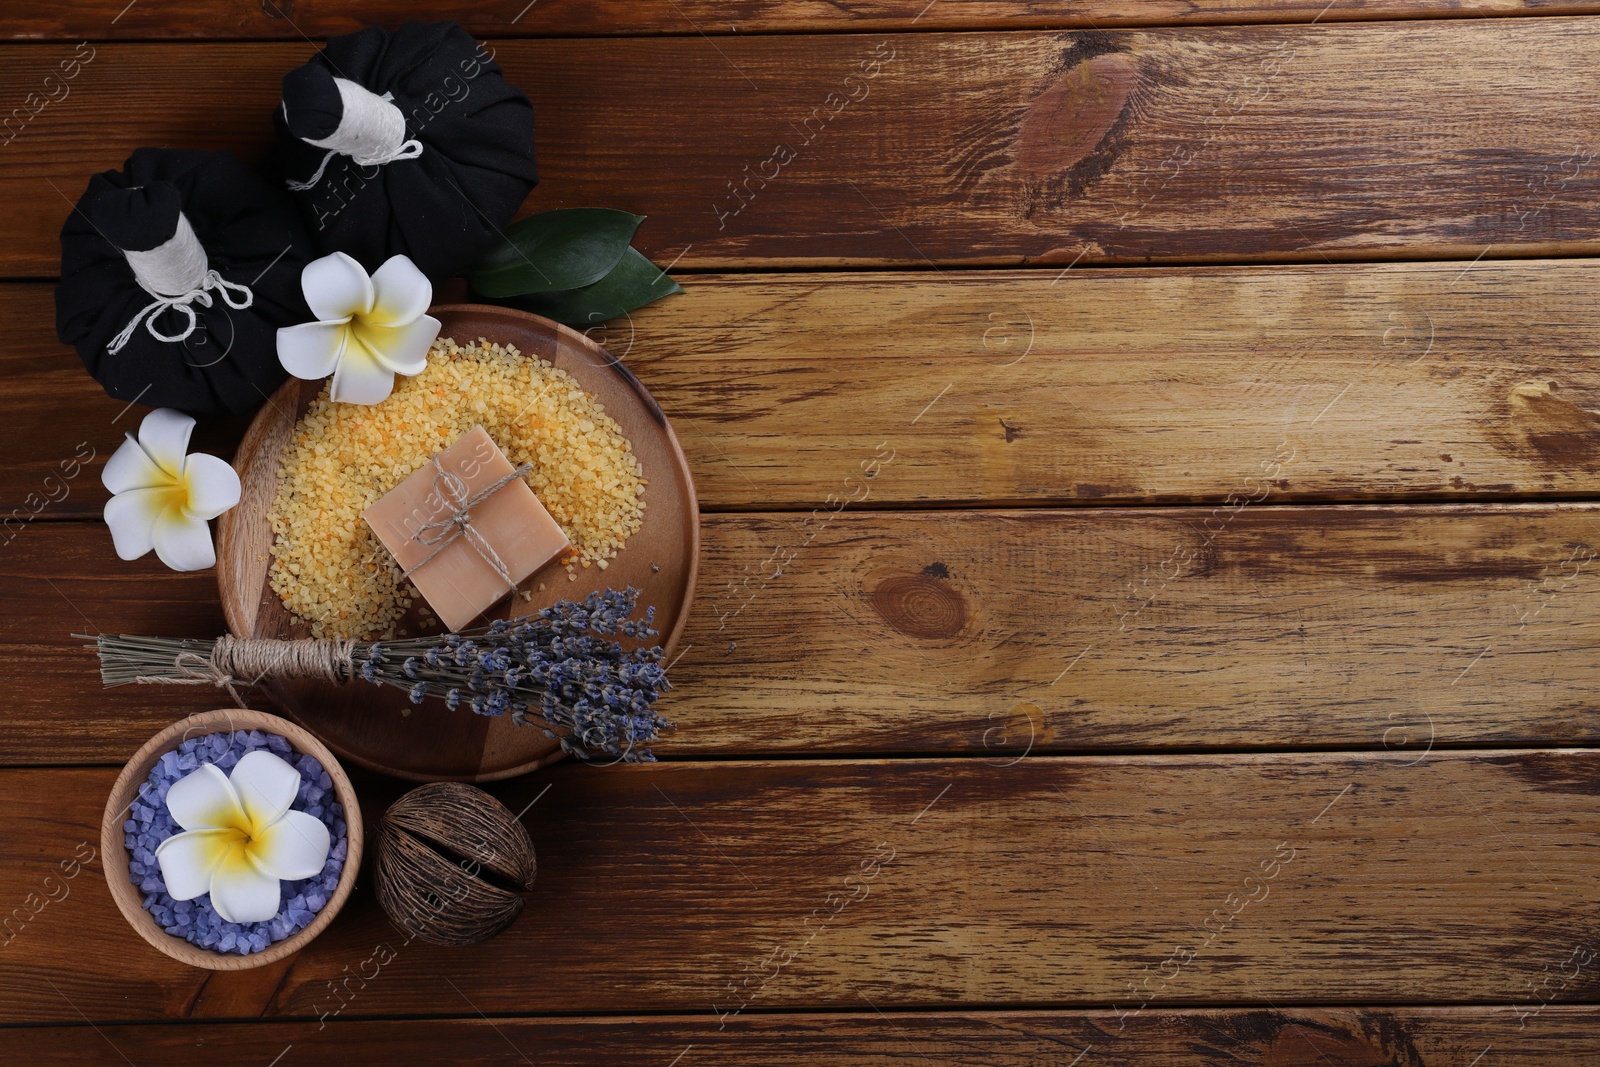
<point>327,566</point>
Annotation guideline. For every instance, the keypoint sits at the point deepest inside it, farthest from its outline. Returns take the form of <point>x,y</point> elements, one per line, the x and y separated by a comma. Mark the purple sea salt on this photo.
<point>196,921</point>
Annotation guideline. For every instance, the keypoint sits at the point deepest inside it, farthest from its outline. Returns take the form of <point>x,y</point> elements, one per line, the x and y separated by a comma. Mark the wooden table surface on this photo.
<point>1205,675</point>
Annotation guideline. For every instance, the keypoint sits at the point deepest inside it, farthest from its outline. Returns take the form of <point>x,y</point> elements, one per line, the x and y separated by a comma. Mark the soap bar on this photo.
<point>459,582</point>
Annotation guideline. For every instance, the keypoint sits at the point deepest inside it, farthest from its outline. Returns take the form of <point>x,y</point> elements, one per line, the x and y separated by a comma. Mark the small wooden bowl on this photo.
<point>114,850</point>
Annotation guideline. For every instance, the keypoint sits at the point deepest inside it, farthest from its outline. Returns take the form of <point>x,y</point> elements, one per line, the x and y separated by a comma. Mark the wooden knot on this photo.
<point>1074,114</point>
<point>1316,1043</point>
<point>920,604</point>
<point>1552,425</point>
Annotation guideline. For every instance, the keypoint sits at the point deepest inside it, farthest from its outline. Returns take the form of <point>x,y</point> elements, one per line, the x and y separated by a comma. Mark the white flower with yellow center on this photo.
<point>240,839</point>
<point>368,329</point>
<point>163,496</point>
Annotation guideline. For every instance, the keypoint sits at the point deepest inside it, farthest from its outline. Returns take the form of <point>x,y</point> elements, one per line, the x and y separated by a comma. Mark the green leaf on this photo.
<point>555,250</point>
<point>634,283</point>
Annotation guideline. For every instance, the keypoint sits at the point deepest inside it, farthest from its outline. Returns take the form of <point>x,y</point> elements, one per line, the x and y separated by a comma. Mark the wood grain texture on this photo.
<point>1110,386</point>
<point>993,633</point>
<point>1014,387</point>
<point>28,20</point>
<point>1005,632</point>
<point>59,914</point>
<point>1281,1037</point>
<point>844,885</point>
<point>1218,144</point>
<point>57,580</point>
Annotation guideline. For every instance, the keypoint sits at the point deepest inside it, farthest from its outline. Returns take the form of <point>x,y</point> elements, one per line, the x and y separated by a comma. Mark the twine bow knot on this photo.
<point>457,523</point>
<point>198,295</point>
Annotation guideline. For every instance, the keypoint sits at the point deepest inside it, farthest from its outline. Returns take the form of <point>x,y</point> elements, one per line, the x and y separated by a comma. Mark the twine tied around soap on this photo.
<point>372,132</point>
<point>443,533</point>
<point>177,273</point>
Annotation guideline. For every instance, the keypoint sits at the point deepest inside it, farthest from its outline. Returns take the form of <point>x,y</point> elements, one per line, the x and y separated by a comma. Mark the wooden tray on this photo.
<point>367,724</point>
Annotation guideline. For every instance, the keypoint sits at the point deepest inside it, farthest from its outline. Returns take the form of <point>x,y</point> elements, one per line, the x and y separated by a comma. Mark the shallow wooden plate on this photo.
<point>367,724</point>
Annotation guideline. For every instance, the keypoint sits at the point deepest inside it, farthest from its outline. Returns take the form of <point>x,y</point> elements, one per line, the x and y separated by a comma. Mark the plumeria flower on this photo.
<point>163,496</point>
<point>240,839</point>
<point>368,329</point>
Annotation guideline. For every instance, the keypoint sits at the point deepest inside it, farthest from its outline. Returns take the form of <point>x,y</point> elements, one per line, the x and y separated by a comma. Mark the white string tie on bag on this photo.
<point>372,132</point>
<point>177,273</point>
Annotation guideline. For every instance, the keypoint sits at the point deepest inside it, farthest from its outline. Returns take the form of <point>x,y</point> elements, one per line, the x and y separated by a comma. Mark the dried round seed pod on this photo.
<point>452,864</point>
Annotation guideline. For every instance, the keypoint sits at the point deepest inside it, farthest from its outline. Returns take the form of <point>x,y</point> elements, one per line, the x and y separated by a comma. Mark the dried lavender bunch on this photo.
<point>559,664</point>
<point>594,697</point>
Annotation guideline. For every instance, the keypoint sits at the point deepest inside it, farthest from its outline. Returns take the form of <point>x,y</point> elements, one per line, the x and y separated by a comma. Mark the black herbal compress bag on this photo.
<point>405,143</point>
<point>176,273</point>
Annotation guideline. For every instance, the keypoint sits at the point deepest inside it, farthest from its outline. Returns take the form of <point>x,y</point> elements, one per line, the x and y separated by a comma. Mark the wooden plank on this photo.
<point>1011,387</point>
<point>58,580</point>
<point>60,929</point>
<point>1225,144</point>
<point>1003,632</point>
<point>1301,1037</point>
<point>994,633</point>
<point>1052,882</point>
<point>292,19</point>
<point>1112,386</point>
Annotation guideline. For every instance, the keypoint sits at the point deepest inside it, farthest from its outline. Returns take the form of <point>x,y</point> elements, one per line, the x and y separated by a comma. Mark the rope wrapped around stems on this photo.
<point>225,662</point>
